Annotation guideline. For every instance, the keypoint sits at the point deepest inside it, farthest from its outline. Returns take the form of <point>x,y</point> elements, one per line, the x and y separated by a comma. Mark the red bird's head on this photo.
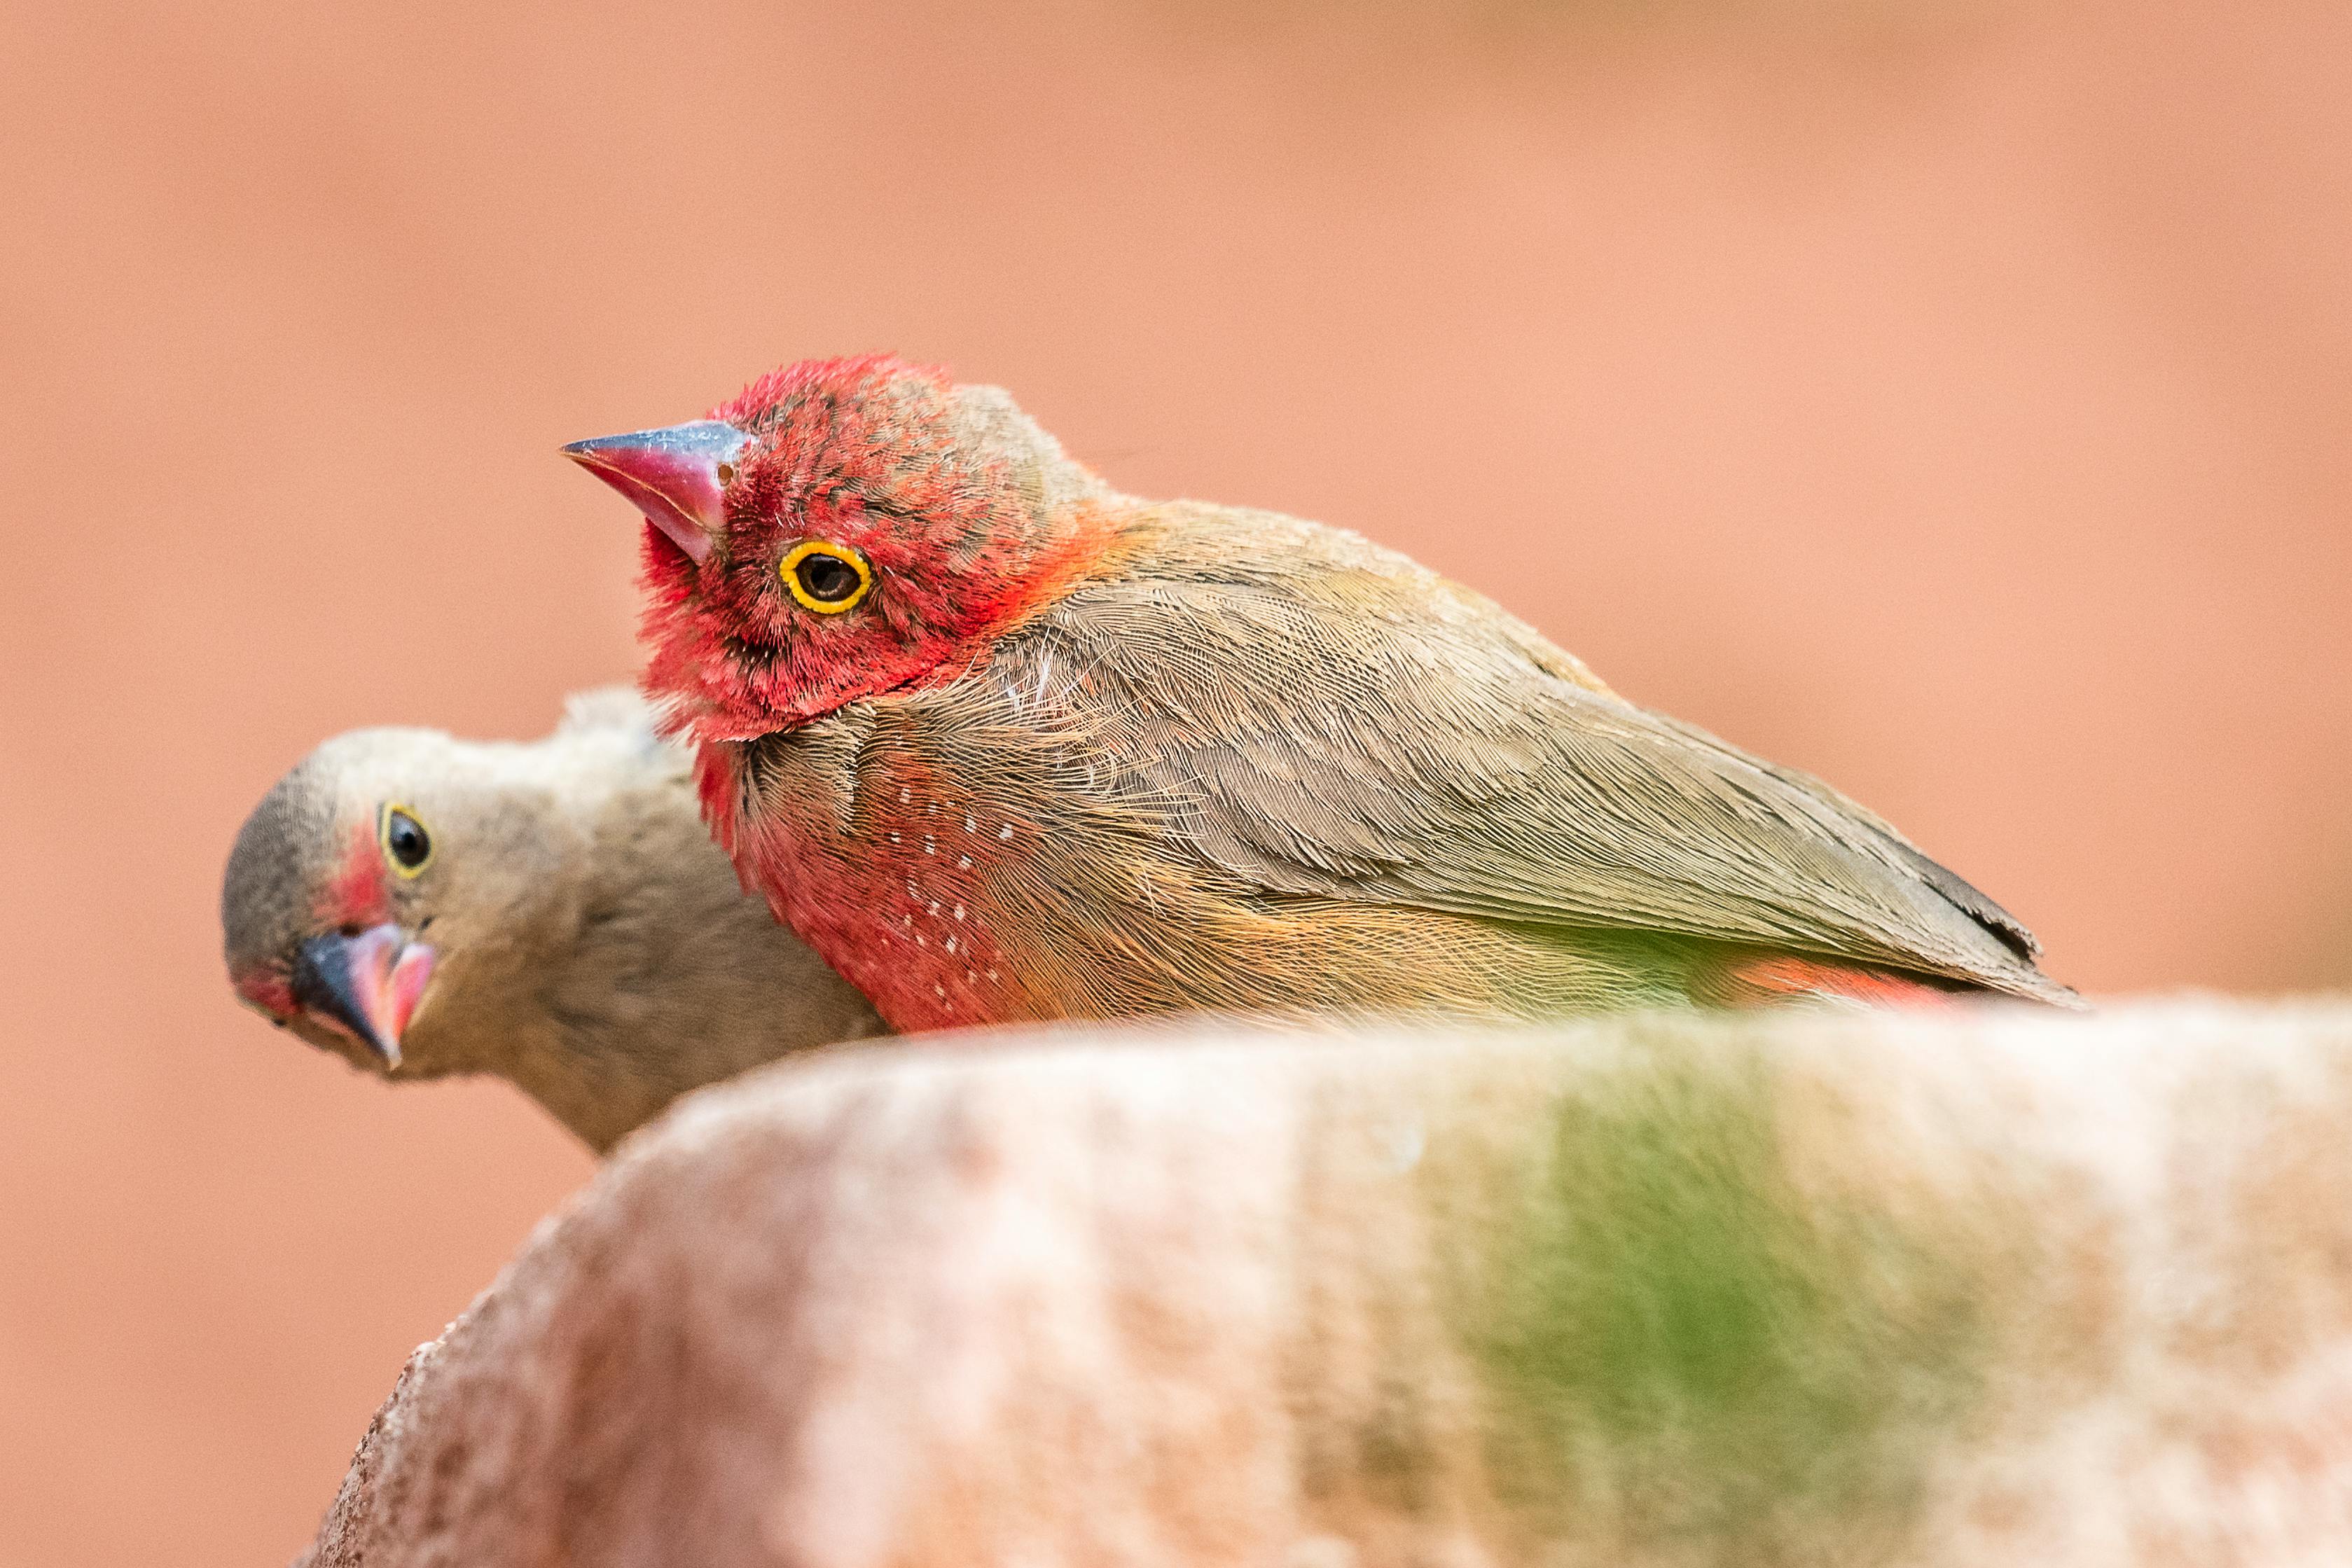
<point>842,529</point>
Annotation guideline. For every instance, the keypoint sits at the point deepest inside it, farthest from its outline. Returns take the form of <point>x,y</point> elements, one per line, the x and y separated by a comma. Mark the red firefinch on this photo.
<point>1003,743</point>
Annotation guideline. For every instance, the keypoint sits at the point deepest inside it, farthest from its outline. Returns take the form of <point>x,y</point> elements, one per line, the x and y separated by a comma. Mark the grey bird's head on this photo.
<point>343,873</point>
<point>553,913</point>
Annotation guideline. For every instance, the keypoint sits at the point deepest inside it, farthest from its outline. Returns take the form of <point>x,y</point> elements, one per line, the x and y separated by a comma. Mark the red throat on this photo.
<point>909,922</point>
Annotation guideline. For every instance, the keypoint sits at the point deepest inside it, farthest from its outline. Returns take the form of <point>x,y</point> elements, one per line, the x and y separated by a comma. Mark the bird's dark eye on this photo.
<point>406,844</point>
<point>825,578</point>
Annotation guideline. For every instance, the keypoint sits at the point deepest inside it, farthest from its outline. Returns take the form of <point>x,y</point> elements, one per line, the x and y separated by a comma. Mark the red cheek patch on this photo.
<point>356,894</point>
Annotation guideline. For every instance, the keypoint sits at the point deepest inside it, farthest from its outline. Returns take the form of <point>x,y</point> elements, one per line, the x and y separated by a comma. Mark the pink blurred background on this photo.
<point>1950,399</point>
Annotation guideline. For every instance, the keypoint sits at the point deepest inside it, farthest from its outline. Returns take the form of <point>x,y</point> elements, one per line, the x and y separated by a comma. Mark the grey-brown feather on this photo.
<point>1345,722</point>
<point>1386,735</point>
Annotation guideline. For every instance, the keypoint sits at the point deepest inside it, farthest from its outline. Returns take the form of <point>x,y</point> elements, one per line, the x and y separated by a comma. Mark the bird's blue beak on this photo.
<point>366,984</point>
<point>675,475</point>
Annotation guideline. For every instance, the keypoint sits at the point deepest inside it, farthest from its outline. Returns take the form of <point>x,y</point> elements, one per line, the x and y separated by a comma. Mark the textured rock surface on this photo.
<point>1987,1289</point>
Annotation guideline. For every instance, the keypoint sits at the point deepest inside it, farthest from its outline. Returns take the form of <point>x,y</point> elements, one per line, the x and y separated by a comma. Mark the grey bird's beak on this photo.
<point>671,474</point>
<point>365,986</point>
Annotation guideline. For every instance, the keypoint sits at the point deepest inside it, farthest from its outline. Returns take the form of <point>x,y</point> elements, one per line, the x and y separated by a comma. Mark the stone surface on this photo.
<point>1990,1287</point>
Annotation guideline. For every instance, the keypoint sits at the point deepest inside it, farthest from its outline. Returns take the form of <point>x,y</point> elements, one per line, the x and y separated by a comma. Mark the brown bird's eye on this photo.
<point>825,578</point>
<point>406,844</point>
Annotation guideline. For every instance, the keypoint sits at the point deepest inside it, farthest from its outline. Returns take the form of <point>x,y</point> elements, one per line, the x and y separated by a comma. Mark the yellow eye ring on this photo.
<point>813,570</point>
<point>407,843</point>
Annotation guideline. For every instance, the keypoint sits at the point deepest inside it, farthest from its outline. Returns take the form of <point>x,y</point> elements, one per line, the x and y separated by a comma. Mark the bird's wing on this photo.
<point>1323,717</point>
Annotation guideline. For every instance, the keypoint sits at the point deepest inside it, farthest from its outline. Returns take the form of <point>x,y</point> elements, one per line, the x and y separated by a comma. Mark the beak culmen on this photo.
<point>671,474</point>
